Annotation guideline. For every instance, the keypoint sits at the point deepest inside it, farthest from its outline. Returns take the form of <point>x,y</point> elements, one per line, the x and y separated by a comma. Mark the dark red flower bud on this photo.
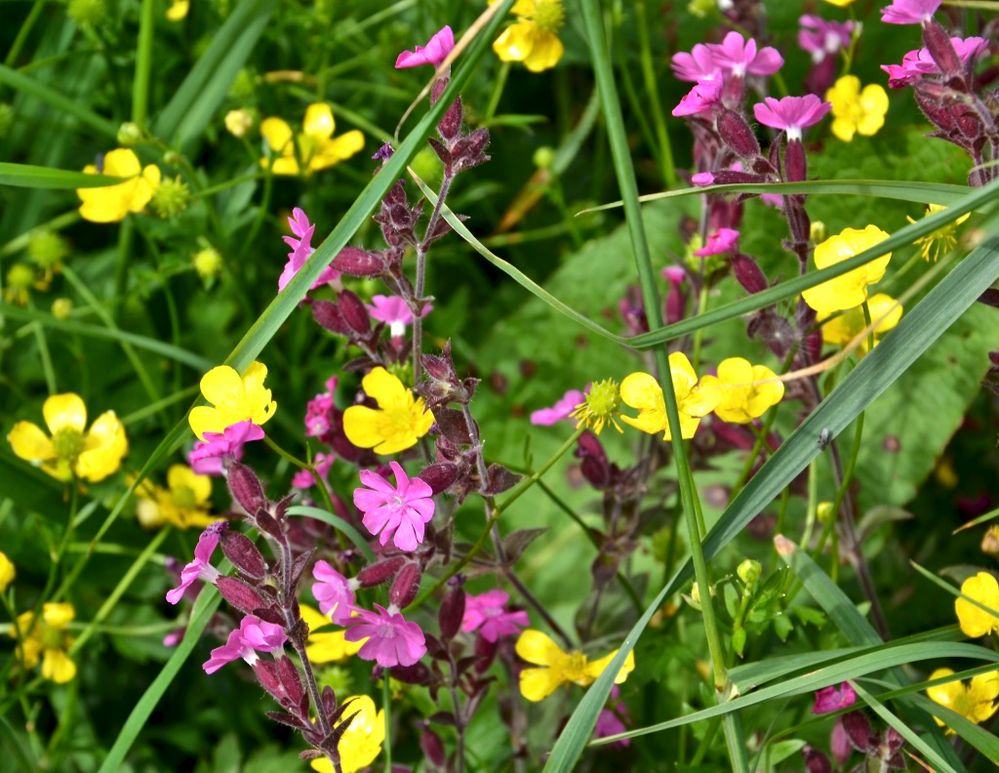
<point>267,675</point>
<point>437,89</point>
<point>737,134</point>
<point>485,651</point>
<point>450,125</point>
<point>328,315</point>
<point>439,476</point>
<point>942,51</point>
<point>354,312</point>
<point>500,479</point>
<point>676,303</point>
<point>239,594</point>
<point>795,166</point>
<point>595,465</point>
<point>378,573</point>
<point>452,612</point>
<point>291,680</point>
<point>748,273</point>
<point>415,674</point>
<point>406,585</point>
<point>244,555</point>
<point>433,748</point>
<point>859,732</point>
<point>358,262</point>
<point>245,487</point>
<point>816,761</point>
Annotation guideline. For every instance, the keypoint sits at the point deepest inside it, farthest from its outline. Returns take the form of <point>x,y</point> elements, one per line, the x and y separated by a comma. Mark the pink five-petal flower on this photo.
<point>696,66</point>
<point>701,98</point>
<point>253,635</point>
<point>303,478</point>
<point>918,63</point>
<point>301,249</point>
<point>317,412</point>
<point>740,56</point>
<point>792,114</point>
<point>208,456</point>
<point>201,567</point>
<point>391,639</point>
<point>487,613</point>
<point>394,312</point>
<point>833,698</point>
<point>546,417</point>
<point>399,512</point>
<point>822,38</point>
<point>435,52</point>
<point>909,11</point>
<point>334,592</point>
<point>719,242</point>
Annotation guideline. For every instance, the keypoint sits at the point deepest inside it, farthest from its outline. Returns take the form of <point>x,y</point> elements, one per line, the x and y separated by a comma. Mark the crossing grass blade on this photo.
<point>28,85</point>
<point>337,523</point>
<point>32,176</point>
<point>877,371</point>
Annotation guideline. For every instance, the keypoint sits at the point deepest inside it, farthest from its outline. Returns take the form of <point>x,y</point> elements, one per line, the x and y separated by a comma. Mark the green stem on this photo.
<point>652,94</point>
<point>303,465</point>
<point>497,92</point>
<point>23,32</point>
<point>143,63</point>
<point>529,481</point>
<point>387,708</point>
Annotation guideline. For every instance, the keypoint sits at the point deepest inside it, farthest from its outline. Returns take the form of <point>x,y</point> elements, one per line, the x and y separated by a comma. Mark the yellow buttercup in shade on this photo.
<point>856,110</point>
<point>185,503</point>
<point>844,327</point>
<point>112,203</point>
<point>742,397</point>
<point>974,701</point>
<point>974,620</point>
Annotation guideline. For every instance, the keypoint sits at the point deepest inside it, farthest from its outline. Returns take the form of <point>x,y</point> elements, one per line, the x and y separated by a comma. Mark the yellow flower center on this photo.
<point>549,15</point>
<point>574,667</point>
<point>52,638</point>
<point>68,443</point>
<point>183,497</point>
<point>604,398</point>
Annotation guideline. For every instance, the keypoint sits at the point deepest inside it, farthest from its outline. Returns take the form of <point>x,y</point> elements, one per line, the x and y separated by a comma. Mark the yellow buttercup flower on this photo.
<point>362,741</point>
<point>397,424</point>
<point>975,621</point>
<point>71,449</point>
<point>856,110</point>
<point>7,571</point>
<point>974,702</point>
<point>694,400</point>
<point>112,202</point>
<point>558,666</point>
<point>313,148</point>
<point>46,639</point>
<point>185,502</point>
<point>840,330</point>
<point>238,122</point>
<point>233,399</point>
<point>178,10</point>
<point>533,38</point>
<point>840,3</point>
<point>741,399</point>
<point>941,241</point>
<point>600,407</point>
<point>326,646</point>
<point>850,289</point>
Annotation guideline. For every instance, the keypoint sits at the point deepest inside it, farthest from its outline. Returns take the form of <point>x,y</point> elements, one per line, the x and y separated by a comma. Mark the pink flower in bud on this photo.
<point>317,412</point>
<point>739,56</point>
<point>208,456</point>
<point>703,178</point>
<point>834,698</point>
<point>391,639</point>
<point>435,52</point>
<point>719,242</point>
<point>334,592</point>
<point>546,417</point>
<point>301,249</point>
<point>822,38</point>
<point>696,66</point>
<point>487,613</point>
<point>909,11</point>
<point>675,275</point>
<point>398,512</point>
<point>303,478</point>
<point>394,312</point>
<point>702,98</point>
<point>774,200</point>
<point>200,568</point>
<point>792,114</point>
<point>253,635</point>
<point>610,720</point>
<point>918,63</point>
<point>174,638</point>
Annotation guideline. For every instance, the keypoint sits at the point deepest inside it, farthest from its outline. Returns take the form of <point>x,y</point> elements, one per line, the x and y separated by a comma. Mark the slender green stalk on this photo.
<point>317,479</point>
<point>497,93</point>
<point>23,32</point>
<point>387,708</point>
<point>652,94</point>
<point>143,63</point>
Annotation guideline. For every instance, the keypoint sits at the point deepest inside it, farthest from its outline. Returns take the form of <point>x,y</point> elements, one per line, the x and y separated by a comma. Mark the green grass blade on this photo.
<point>20,82</point>
<point>984,741</point>
<point>337,523</point>
<point>31,176</point>
<point>952,590</point>
<point>878,370</point>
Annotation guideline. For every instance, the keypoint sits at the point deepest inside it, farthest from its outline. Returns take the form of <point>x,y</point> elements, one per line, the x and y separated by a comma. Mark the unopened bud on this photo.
<point>243,554</point>
<point>238,122</point>
<point>749,274</point>
<point>737,134</point>
<point>406,585</point>
<point>245,488</point>
<point>544,157</point>
<point>62,308</point>
<point>452,612</point>
<point>239,594</point>
<point>990,542</point>
<point>749,572</point>
<point>378,573</point>
<point>817,231</point>
<point>129,134</point>
<point>824,512</point>
<point>207,262</point>
<point>433,747</point>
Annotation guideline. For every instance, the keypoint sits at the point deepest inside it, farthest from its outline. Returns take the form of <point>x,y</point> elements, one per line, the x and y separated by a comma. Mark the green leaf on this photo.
<point>337,523</point>
<point>21,82</point>
<point>31,176</point>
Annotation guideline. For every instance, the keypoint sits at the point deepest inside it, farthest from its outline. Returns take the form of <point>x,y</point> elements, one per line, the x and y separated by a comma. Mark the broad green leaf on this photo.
<point>30,176</point>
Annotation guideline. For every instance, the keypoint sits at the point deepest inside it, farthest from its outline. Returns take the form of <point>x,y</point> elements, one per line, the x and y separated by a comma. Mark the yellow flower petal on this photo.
<point>178,10</point>
<point>58,616</point>
<point>596,668</point>
<point>180,476</point>
<point>545,53</point>
<point>28,442</point>
<point>537,647</point>
<point>515,42</point>
<point>331,647</point>
<point>319,122</point>
<point>336,150</point>
<point>975,621</point>
<point>361,426</point>
<point>849,289</point>
<point>278,135</point>
<point>121,162</point>
<point>536,684</point>
<point>105,445</point>
<point>57,667</point>
<point>65,411</point>
<point>361,742</point>
<point>7,571</point>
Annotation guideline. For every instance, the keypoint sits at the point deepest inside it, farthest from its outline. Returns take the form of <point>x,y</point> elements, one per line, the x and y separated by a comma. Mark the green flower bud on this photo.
<point>701,8</point>
<point>87,12</point>
<point>825,513</point>
<point>47,248</point>
<point>544,157</point>
<point>749,572</point>
<point>62,308</point>
<point>20,276</point>
<point>129,134</point>
<point>817,231</point>
<point>171,198</point>
<point>207,262</point>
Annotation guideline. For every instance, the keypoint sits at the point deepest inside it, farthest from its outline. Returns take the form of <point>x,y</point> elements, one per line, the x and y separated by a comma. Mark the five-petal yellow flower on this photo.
<point>112,202</point>
<point>71,449</point>
<point>313,148</point>
<point>843,328</point>
<point>849,289</point>
<point>974,702</point>
<point>942,240</point>
<point>185,502</point>
<point>361,742</point>
<point>533,38</point>
<point>397,424</point>
<point>556,666</point>
<point>640,390</point>
<point>856,110</point>
<point>974,620</point>
<point>233,399</point>
<point>46,639</point>
<point>742,397</point>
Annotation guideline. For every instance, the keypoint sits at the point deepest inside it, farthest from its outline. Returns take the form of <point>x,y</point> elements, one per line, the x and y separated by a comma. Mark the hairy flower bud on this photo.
<point>245,488</point>
<point>406,585</point>
<point>243,554</point>
<point>380,572</point>
<point>452,612</point>
<point>737,134</point>
<point>358,262</point>
<point>450,126</point>
<point>440,476</point>
<point>354,312</point>
<point>239,594</point>
<point>937,41</point>
<point>748,273</point>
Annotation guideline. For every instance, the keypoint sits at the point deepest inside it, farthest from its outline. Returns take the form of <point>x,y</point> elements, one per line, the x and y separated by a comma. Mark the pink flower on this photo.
<point>200,568</point>
<point>792,114</point>
<point>675,275</point>
<point>546,417</point>
<point>822,38</point>
<point>400,512</point>
<point>833,698</point>
<point>610,721</point>
<point>301,249</point>
<point>719,242</point>
<point>253,635</point>
<point>303,478</point>
<point>486,613</point>
<point>696,66</point>
<point>394,312</point>
<point>391,640</point>
<point>700,99</point>
<point>334,592</point>
<point>703,178</point>
<point>208,456</point>
<point>909,11</point>
<point>918,63</point>
<point>317,412</point>
<point>739,56</point>
<point>435,52</point>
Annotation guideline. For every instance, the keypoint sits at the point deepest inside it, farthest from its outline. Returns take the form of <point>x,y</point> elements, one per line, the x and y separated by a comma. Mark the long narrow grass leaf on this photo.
<point>32,176</point>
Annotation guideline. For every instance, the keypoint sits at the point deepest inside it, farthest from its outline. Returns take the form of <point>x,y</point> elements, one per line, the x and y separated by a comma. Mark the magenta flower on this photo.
<point>200,568</point>
<point>834,698</point>
<point>487,613</point>
<point>398,512</point>
<point>822,38</point>
<point>740,57</point>
<point>909,11</point>
<point>792,114</point>
<point>394,312</point>
<point>700,99</point>
<point>208,456</point>
<point>391,640</point>
<point>253,635</point>
<point>301,249</point>
<point>918,63</point>
<point>435,52</point>
<point>703,178</point>
<point>610,721</point>
<point>696,66</point>
<point>719,242</point>
<point>334,592</point>
<point>317,412</point>
<point>675,275</point>
<point>303,478</point>
<point>546,417</point>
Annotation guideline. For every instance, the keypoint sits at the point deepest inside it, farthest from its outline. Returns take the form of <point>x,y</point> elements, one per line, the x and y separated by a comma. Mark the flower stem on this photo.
<point>320,484</point>
<point>419,286</point>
